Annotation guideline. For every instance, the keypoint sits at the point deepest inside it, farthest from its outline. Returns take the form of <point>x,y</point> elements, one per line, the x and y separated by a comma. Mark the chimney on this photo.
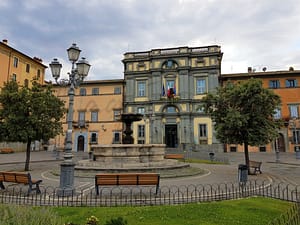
<point>38,59</point>
<point>5,41</point>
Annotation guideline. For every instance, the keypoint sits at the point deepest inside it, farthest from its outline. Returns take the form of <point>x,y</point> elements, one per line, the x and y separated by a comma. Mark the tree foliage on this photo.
<point>244,113</point>
<point>29,114</point>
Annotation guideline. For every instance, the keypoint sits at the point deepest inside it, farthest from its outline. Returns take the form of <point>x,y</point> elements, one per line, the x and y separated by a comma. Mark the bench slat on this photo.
<point>174,156</point>
<point>126,179</point>
<point>19,178</point>
<point>256,165</point>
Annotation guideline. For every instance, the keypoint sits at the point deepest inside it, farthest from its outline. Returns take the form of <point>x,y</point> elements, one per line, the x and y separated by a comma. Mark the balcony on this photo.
<point>81,124</point>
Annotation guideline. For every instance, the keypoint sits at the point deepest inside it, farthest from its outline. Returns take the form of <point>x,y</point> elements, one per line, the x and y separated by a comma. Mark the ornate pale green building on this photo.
<point>167,86</point>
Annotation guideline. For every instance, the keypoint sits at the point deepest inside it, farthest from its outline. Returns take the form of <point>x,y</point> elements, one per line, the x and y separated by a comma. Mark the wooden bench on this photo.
<point>256,166</point>
<point>110,179</point>
<point>6,150</point>
<point>174,156</point>
<point>20,178</point>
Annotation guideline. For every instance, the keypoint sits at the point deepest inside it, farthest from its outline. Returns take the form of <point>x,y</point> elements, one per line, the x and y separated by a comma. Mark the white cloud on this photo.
<point>250,32</point>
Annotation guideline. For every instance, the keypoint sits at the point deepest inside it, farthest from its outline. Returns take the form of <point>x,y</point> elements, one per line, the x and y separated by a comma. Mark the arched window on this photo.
<point>170,109</point>
<point>26,82</point>
<point>170,64</point>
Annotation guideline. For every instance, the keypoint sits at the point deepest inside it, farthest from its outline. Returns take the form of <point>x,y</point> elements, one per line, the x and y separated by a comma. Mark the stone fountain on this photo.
<point>128,156</point>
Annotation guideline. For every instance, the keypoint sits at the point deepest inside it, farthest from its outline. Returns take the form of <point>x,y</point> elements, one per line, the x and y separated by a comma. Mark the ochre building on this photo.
<point>285,84</point>
<point>98,105</point>
<point>15,65</point>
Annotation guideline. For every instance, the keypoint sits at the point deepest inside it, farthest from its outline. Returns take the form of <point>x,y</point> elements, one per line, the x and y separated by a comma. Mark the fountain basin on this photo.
<point>129,157</point>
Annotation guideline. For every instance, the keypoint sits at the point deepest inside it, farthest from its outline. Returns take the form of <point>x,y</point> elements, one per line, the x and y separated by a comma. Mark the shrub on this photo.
<point>93,220</point>
<point>117,221</point>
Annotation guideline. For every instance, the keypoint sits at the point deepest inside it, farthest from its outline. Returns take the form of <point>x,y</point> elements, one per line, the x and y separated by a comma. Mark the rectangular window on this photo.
<point>200,108</point>
<point>117,137</point>
<point>16,62</point>
<point>14,77</point>
<point>141,131</point>
<point>277,114</point>
<point>296,136</point>
<point>26,82</point>
<point>94,137</point>
<point>94,116</point>
<point>117,90</point>
<point>27,68</point>
<point>81,119</point>
<point>202,130</point>
<point>141,88</point>
<point>200,86</point>
<point>38,74</point>
<point>117,115</point>
<point>171,88</point>
<point>294,111</point>
<point>274,84</point>
<point>82,92</point>
<point>141,110</point>
<point>262,148</point>
<point>95,91</point>
<point>170,84</point>
<point>291,83</point>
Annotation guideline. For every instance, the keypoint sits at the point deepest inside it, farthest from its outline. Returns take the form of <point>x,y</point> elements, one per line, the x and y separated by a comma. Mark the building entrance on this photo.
<point>171,136</point>
<point>80,144</point>
<point>281,144</point>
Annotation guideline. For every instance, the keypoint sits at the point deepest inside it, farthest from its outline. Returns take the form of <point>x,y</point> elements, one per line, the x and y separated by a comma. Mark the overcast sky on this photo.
<point>256,33</point>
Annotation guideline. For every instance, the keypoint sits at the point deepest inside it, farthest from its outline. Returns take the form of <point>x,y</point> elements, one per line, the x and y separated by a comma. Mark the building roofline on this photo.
<point>94,82</point>
<point>21,53</point>
<point>266,73</point>
<point>172,52</point>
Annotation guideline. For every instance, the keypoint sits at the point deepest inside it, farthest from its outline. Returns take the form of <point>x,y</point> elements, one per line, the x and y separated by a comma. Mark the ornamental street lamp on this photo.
<point>76,76</point>
<point>293,124</point>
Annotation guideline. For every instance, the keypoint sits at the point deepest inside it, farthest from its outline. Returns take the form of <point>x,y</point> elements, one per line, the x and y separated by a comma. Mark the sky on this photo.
<point>251,33</point>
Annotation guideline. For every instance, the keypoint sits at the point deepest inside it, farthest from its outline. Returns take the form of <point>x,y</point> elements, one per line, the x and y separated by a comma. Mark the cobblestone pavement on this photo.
<point>46,166</point>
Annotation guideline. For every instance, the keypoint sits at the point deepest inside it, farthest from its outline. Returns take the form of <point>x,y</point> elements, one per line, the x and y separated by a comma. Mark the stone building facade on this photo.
<point>166,86</point>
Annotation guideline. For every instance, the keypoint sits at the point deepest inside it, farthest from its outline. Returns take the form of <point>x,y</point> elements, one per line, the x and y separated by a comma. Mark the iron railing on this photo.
<point>291,217</point>
<point>145,195</point>
<point>167,195</point>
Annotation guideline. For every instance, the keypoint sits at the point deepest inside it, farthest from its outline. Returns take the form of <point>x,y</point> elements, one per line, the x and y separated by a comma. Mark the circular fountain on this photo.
<point>128,156</point>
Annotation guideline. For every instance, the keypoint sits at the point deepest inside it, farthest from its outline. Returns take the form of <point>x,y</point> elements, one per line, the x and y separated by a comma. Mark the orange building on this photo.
<point>98,105</point>
<point>286,85</point>
<point>15,65</point>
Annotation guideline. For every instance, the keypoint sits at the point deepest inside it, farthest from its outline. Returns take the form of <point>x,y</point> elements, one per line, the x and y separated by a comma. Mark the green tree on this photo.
<point>244,114</point>
<point>29,114</point>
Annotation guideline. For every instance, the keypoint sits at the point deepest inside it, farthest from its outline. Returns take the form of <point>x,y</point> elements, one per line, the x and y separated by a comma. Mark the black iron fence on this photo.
<point>146,195</point>
<point>291,217</point>
<point>167,195</point>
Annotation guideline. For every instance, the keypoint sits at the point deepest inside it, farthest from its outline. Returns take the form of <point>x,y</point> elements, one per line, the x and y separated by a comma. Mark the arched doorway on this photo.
<point>80,143</point>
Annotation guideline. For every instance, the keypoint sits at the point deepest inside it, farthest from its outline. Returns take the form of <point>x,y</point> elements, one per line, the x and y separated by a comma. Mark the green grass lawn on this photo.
<point>252,211</point>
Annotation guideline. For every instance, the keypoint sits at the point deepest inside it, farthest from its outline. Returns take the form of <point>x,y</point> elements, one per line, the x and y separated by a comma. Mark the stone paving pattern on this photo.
<point>45,165</point>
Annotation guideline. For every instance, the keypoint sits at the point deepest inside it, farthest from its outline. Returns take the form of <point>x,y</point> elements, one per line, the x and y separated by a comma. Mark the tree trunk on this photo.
<point>246,156</point>
<point>27,155</point>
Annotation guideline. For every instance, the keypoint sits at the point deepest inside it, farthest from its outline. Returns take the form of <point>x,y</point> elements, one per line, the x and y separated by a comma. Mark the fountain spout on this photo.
<point>128,119</point>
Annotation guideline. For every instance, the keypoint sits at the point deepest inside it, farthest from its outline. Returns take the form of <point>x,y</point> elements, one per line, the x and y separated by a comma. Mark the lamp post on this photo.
<point>76,76</point>
<point>296,147</point>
